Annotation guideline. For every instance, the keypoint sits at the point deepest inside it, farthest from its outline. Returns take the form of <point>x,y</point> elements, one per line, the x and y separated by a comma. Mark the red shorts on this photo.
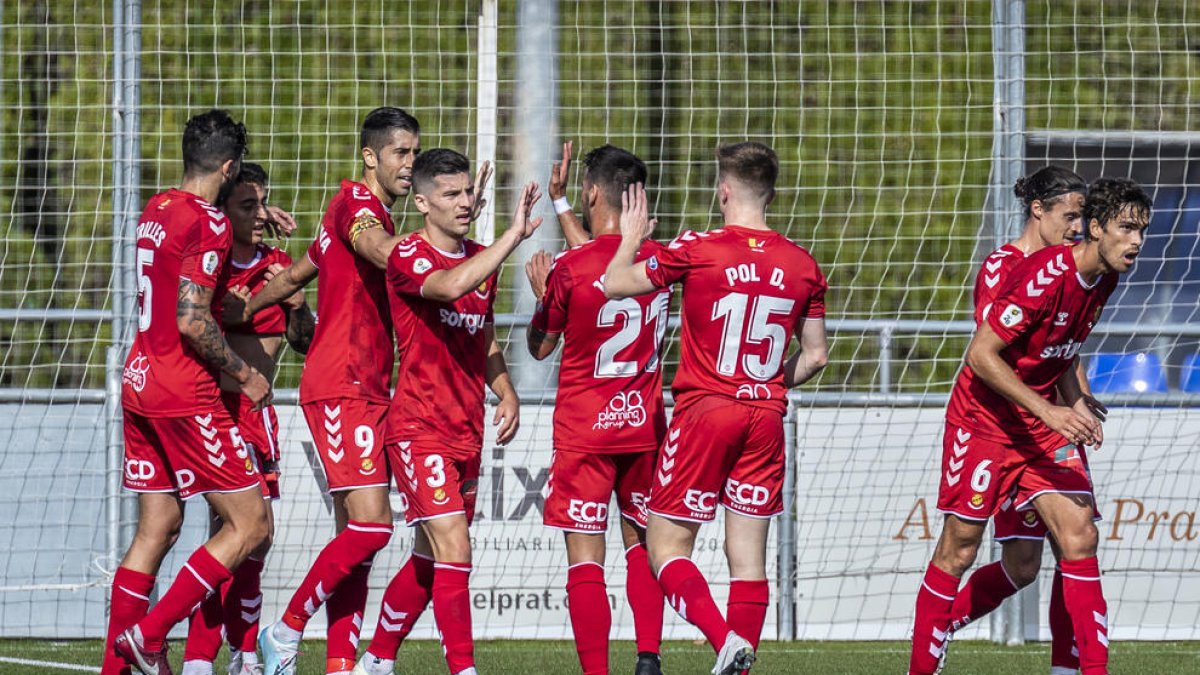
<point>1010,523</point>
<point>581,486</point>
<point>260,431</point>
<point>189,455</point>
<point>719,451</point>
<point>978,474</point>
<point>434,481</point>
<point>349,437</point>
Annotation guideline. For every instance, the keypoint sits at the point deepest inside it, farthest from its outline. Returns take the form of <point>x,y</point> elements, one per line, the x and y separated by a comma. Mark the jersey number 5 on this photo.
<point>607,364</point>
<point>145,258</point>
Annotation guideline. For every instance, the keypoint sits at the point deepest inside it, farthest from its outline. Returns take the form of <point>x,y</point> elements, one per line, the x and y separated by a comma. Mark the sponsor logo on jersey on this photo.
<point>185,478</point>
<point>756,245</point>
<point>135,372</point>
<point>753,392</point>
<point>1012,316</point>
<point>745,494</point>
<point>624,409</point>
<point>139,470</point>
<point>1066,351</point>
<point>153,231</point>
<point>472,322</point>
<point>421,266</point>
<point>1061,318</point>
<point>702,504</point>
<point>210,262</point>
<point>165,203</point>
<point>588,513</point>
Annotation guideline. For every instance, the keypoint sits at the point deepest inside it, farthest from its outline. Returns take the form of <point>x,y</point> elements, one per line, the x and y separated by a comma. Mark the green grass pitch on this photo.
<point>775,658</point>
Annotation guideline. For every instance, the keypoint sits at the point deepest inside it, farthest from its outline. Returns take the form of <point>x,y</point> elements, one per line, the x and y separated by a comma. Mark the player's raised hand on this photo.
<point>280,223</point>
<point>560,173</point>
<point>293,301</point>
<point>522,223</point>
<point>234,306</point>
<point>537,270</point>
<point>507,418</point>
<point>635,216</point>
<point>1076,427</point>
<point>481,181</point>
<point>257,389</point>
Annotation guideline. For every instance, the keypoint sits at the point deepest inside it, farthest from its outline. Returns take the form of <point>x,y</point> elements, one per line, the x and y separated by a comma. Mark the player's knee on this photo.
<point>1022,561</point>
<point>1079,543</point>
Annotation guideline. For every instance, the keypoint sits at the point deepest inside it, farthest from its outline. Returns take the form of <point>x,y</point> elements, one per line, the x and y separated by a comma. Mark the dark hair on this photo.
<point>434,163</point>
<point>1047,185</point>
<point>613,170</point>
<point>1107,197</point>
<point>752,164</point>
<point>251,173</point>
<point>380,123</point>
<point>209,140</point>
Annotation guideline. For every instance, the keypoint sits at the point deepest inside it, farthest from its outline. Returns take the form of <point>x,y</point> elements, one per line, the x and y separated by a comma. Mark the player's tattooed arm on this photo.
<point>983,357</point>
<point>812,356</point>
<point>624,277</point>
<point>572,227</point>
<point>301,324</point>
<point>540,343</point>
<point>194,319</point>
<point>508,410</point>
<point>281,287</point>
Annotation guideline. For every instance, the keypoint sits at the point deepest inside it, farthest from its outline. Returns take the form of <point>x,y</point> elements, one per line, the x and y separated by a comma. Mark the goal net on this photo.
<point>899,126</point>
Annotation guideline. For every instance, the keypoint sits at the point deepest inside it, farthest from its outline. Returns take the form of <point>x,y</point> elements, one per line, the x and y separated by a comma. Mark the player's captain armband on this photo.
<point>1012,316</point>
<point>364,220</point>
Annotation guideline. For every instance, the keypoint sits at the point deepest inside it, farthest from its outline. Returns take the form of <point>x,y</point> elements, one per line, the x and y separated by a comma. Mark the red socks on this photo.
<point>591,617</point>
<point>345,614</point>
<point>934,601</point>
<point>130,602</point>
<point>1062,634</point>
<point>404,601</point>
<point>201,575</point>
<point>687,591</point>
<point>354,545</point>
<point>452,611</point>
<point>747,609</point>
<point>243,605</point>
<point>983,592</point>
<point>1085,603</point>
<point>645,599</point>
<point>204,629</point>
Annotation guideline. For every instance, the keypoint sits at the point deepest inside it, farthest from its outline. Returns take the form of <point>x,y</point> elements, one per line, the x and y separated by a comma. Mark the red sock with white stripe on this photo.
<point>243,605</point>
<point>406,597</point>
<point>204,629</point>
<point>934,601</point>
<point>1063,653</point>
<point>983,592</point>
<point>345,613</point>
<point>591,617</point>
<point>452,611</point>
<point>645,600</point>
<point>130,602</point>
<point>1085,603</point>
<point>353,546</point>
<point>747,607</point>
<point>201,575</point>
<point>687,592</point>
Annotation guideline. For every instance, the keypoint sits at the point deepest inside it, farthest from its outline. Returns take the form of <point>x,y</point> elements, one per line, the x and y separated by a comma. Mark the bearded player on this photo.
<point>180,441</point>
<point>232,611</point>
<point>746,290</point>
<point>608,414</point>
<point>1053,198</point>
<point>1014,425</point>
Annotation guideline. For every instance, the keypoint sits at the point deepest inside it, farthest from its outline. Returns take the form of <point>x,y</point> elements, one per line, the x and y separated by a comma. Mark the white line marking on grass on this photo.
<point>49,664</point>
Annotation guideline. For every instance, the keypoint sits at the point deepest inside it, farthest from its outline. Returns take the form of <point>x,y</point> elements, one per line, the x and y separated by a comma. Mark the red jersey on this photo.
<point>351,352</point>
<point>991,278</point>
<point>443,353</point>
<point>179,236</point>
<point>1044,313</point>
<point>609,380</point>
<point>745,292</point>
<point>253,275</point>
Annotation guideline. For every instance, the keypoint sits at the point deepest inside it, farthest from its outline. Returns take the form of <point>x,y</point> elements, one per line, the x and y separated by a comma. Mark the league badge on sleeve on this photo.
<point>422,265</point>
<point>210,262</point>
<point>1012,316</point>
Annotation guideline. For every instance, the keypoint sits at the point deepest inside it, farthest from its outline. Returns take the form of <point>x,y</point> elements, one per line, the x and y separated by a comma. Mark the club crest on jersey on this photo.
<point>624,409</point>
<point>1029,519</point>
<point>1012,316</point>
<point>367,466</point>
<point>135,373</point>
<point>482,291</point>
<point>210,263</point>
<point>440,498</point>
<point>421,266</point>
<point>1096,316</point>
<point>976,501</point>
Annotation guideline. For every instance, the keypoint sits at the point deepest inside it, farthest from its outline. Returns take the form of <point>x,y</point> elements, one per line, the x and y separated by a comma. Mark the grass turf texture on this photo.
<point>553,657</point>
